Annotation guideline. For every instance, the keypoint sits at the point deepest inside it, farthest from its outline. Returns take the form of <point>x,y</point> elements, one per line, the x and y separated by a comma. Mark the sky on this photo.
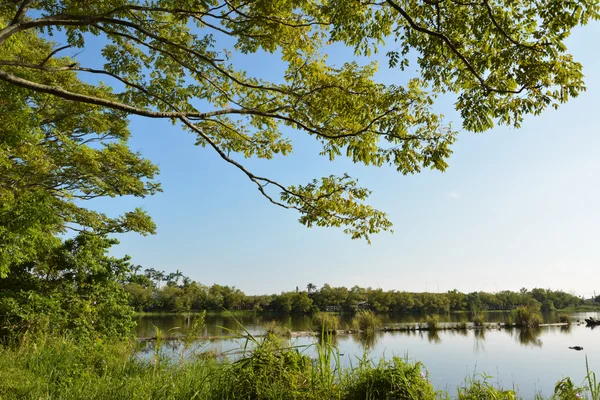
<point>515,208</point>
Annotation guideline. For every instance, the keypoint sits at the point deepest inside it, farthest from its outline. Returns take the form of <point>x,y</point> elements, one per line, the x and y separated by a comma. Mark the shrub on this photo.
<point>482,390</point>
<point>273,328</point>
<point>366,321</point>
<point>326,322</point>
<point>563,318</point>
<point>393,379</point>
<point>433,322</point>
<point>525,317</point>
<point>478,318</point>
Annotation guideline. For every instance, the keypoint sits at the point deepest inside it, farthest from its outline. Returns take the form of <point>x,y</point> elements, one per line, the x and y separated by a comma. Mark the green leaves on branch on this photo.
<point>337,201</point>
<point>181,60</point>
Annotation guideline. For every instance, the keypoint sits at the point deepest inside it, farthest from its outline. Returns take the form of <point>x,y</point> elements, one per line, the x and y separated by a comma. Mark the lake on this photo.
<point>530,362</point>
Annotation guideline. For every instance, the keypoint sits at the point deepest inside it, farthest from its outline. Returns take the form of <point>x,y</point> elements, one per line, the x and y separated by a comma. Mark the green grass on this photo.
<point>325,322</point>
<point>433,321</point>
<point>366,321</point>
<point>524,317</point>
<point>58,368</point>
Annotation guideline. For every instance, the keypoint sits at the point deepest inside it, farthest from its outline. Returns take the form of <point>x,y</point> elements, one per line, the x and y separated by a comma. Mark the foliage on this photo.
<point>55,155</point>
<point>525,317</point>
<point>566,390</point>
<point>394,379</point>
<point>366,321</point>
<point>476,389</point>
<point>162,59</point>
<point>74,289</point>
<point>326,322</point>
<point>432,321</point>
<point>147,294</point>
<point>273,328</point>
<point>57,368</point>
<point>478,318</point>
<point>563,318</point>
<point>593,384</point>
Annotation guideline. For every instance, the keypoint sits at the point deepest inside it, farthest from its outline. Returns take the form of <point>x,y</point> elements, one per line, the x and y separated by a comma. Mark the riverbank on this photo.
<point>57,368</point>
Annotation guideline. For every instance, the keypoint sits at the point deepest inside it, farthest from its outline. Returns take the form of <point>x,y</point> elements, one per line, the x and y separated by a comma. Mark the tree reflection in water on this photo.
<point>433,336</point>
<point>479,335</point>
<point>530,337</point>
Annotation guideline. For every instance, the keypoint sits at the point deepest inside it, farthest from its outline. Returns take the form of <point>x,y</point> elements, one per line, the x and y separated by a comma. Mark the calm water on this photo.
<point>529,362</point>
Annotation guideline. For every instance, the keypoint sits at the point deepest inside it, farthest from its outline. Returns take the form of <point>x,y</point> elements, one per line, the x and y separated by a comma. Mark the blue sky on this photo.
<point>516,208</point>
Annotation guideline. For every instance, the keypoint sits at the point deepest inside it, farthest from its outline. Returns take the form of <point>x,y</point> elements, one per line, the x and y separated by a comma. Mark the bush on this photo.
<point>393,379</point>
<point>482,390</point>
<point>478,318</point>
<point>366,321</point>
<point>525,317</point>
<point>326,322</point>
<point>563,318</point>
<point>433,322</point>
<point>273,328</point>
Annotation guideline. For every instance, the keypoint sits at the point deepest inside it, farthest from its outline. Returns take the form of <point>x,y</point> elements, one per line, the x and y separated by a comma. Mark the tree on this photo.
<point>73,288</point>
<point>502,60</point>
<point>311,288</point>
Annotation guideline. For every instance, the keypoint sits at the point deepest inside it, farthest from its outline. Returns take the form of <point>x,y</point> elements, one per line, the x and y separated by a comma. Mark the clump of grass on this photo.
<point>326,323</point>
<point>563,318</point>
<point>273,328</point>
<point>478,318</point>
<point>526,317</point>
<point>433,322</point>
<point>480,389</point>
<point>508,321</point>
<point>393,379</point>
<point>366,321</point>
<point>463,324</point>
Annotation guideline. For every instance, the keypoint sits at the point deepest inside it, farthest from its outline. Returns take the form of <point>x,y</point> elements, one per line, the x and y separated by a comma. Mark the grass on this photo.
<point>432,321</point>
<point>366,321</point>
<point>478,318</point>
<point>563,318</point>
<point>326,323</point>
<point>58,368</point>
<point>273,328</point>
<point>524,317</point>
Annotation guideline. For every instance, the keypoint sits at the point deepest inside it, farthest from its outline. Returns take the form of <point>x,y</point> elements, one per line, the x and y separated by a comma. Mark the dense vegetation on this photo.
<point>157,291</point>
<point>43,368</point>
<point>64,141</point>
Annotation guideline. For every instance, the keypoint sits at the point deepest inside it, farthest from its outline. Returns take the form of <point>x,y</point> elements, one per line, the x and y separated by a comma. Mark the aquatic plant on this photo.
<point>325,322</point>
<point>563,318</point>
<point>432,321</point>
<point>366,321</point>
<point>275,329</point>
<point>525,317</point>
<point>478,318</point>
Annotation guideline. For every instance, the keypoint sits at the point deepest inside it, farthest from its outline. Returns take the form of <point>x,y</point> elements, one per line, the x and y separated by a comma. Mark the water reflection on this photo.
<point>479,336</point>
<point>433,336</point>
<point>529,337</point>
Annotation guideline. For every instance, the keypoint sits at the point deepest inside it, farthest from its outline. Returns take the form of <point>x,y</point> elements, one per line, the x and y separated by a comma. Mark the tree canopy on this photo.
<point>65,141</point>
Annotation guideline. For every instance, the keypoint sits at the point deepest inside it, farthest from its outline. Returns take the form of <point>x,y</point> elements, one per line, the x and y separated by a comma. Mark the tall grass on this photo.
<point>433,322</point>
<point>58,368</point>
<point>524,317</point>
<point>478,318</point>
<point>366,321</point>
<point>326,323</point>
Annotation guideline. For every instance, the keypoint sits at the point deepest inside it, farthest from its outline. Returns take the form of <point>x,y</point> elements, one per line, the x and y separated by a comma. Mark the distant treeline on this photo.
<point>157,291</point>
